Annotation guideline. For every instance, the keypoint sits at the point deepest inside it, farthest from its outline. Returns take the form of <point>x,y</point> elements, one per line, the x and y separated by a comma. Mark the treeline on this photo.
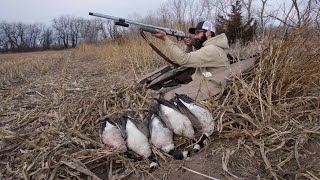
<point>239,19</point>
<point>64,32</point>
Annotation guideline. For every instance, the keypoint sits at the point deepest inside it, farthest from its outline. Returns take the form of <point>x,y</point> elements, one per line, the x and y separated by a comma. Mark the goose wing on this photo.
<point>202,113</point>
<point>141,126</point>
<point>121,125</point>
<point>184,110</point>
<point>164,102</point>
<point>189,100</point>
<point>103,124</point>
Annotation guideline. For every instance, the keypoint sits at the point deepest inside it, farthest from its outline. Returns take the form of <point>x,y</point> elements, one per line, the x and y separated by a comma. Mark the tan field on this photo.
<point>268,119</point>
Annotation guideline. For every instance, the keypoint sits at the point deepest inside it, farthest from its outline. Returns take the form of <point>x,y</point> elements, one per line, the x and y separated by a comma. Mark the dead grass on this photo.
<point>132,55</point>
<point>276,106</point>
<point>49,123</point>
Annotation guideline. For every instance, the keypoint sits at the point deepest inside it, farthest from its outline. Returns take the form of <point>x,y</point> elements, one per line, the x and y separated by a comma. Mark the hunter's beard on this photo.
<point>198,43</point>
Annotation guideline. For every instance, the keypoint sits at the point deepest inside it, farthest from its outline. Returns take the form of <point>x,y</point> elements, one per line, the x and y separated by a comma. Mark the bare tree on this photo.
<point>32,36</point>
<point>109,29</point>
<point>223,7</point>
<point>20,36</point>
<point>295,5</point>
<point>47,38</point>
<point>317,15</point>
<point>194,11</point>
<point>12,35</point>
<point>87,32</point>
<point>311,10</point>
<point>94,30</point>
<point>164,14</point>
<point>183,14</point>
<point>62,27</point>
<point>248,6</point>
<point>299,12</point>
<point>75,27</point>
<point>178,9</point>
<point>4,41</point>
<point>287,15</point>
<point>262,22</point>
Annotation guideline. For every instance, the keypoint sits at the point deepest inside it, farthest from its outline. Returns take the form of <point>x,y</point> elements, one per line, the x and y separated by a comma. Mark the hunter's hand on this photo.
<point>187,41</point>
<point>159,34</point>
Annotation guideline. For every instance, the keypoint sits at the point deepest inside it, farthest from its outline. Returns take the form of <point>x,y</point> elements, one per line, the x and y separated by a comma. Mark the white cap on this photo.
<point>206,25</point>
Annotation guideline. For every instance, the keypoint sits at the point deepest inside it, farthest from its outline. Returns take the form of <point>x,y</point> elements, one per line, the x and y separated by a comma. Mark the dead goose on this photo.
<point>113,134</point>
<point>138,140</point>
<point>162,137</point>
<point>174,119</point>
<point>200,116</point>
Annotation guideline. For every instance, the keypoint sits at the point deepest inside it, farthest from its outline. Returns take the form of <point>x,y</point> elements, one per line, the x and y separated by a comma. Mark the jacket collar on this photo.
<point>220,40</point>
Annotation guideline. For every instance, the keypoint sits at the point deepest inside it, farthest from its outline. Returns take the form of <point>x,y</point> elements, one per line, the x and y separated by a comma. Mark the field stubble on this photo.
<point>51,103</point>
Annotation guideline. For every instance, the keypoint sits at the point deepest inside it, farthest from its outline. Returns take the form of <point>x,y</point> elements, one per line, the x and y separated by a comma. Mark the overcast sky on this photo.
<point>44,11</point>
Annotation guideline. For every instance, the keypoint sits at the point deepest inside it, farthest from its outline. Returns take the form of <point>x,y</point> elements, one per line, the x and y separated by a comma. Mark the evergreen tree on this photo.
<point>234,27</point>
<point>221,24</point>
<point>234,24</point>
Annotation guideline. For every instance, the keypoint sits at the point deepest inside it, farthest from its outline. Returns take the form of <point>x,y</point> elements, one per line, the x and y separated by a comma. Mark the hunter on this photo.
<point>208,58</point>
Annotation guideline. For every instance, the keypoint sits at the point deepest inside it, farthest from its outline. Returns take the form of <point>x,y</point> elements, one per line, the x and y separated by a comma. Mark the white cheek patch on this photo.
<point>185,154</point>
<point>196,147</point>
<point>207,74</point>
<point>153,164</point>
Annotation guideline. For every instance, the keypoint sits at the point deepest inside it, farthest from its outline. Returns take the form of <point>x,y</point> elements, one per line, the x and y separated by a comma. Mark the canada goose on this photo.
<point>113,134</point>
<point>174,119</point>
<point>162,137</point>
<point>200,116</point>
<point>138,140</point>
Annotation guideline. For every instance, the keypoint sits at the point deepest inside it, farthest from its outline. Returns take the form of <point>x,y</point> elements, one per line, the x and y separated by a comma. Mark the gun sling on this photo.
<point>168,76</point>
<point>157,50</point>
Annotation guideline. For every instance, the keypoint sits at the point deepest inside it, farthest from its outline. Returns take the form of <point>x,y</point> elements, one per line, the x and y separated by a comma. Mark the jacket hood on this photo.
<point>221,41</point>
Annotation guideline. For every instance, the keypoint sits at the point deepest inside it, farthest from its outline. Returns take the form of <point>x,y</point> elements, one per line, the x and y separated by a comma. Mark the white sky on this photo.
<point>44,11</point>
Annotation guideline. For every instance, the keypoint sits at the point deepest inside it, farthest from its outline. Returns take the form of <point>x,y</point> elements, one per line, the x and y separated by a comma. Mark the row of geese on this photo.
<point>181,116</point>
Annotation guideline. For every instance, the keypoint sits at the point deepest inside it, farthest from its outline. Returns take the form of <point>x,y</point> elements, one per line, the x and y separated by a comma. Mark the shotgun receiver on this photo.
<point>144,27</point>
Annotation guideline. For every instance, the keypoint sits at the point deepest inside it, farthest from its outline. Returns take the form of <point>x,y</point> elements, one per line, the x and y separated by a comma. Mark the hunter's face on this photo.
<point>198,34</point>
<point>200,38</point>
